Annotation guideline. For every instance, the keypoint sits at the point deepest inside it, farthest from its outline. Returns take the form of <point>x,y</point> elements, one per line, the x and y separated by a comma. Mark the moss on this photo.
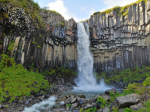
<point>120,10</point>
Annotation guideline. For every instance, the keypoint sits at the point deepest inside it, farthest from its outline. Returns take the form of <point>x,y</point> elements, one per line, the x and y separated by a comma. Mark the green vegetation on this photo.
<point>69,105</point>
<point>120,10</point>
<point>34,42</point>
<point>62,23</point>
<point>88,110</point>
<point>127,76</point>
<point>15,81</point>
<point>102,101</point>
<point>60,71</point>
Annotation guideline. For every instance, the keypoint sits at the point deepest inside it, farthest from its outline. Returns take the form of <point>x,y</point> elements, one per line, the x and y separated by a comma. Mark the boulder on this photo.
<point>82,96</point>
<point>110,90</point>
<point>113,104</point>
<point>68,101</point>
<point>106,97</point>
<point>121,110</point>
<point>136,107</point>
<point>106,109</point>
<point>73,100</point>
<point>87,106</point>
<point>61,99</point>
<point>73,106</point>
<point>81,101</point>
<point>128,100</point>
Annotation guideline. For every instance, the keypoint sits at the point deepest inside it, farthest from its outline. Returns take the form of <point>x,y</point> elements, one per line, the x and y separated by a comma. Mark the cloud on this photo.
<point>112,3</point>
<point>58,6</point>
<point>83,8</point>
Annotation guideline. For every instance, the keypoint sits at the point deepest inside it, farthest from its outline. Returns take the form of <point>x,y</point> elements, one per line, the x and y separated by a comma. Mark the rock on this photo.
<point>121,110</point>
<point>110,90</point>
<point>128,100</point>
<point>113,104</point>
<point>106,97</point>
<point>73,106</point>
<point>136,107</point>
<point>81,101</point>
<point>20,101</point>
<point>82,96</point>
<point>27,102</point>
<point>56,110</point>
<point>73,100</point>
<point>68,101</point>
<point>76,111</point>
<point>98,105</point>
<point>99,110</point>
<point>46,96</point>
<point>87,106</point>
<point>1,106</point>
<point>61,99</point>
<point>106,109</point>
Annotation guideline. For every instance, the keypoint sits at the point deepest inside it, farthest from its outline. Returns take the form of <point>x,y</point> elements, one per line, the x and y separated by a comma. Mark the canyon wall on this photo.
<point>120,42</point>
<point>54,45</point>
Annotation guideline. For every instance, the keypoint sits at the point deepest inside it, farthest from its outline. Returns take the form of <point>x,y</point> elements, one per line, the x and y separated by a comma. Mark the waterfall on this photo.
<point>86,80</point>
<point>85,58</point>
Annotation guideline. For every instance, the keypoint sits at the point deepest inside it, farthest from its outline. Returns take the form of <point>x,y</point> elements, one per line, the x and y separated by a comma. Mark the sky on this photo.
<point>80,9</point>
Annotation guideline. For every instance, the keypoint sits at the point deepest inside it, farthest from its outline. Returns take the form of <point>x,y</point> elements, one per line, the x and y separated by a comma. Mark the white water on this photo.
<point>86,80</point>
<point>44,105</point>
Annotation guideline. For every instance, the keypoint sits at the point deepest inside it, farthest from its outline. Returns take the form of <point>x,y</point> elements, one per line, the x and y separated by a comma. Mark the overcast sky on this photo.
<point>81,9</point>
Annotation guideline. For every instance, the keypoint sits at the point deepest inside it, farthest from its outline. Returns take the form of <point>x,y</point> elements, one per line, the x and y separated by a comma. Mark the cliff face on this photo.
<point>119,41</point>
<point>51,46</point>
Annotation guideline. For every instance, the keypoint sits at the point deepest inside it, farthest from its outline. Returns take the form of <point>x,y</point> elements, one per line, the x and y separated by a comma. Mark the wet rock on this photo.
<point>127,100</point>
<point>61,99</point>
<point>110,90</point>
<point>82,96</point>
<point>136,107</point>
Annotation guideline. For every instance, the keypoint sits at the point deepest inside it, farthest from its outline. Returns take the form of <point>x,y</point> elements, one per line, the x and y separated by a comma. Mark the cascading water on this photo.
<point>86,80</point>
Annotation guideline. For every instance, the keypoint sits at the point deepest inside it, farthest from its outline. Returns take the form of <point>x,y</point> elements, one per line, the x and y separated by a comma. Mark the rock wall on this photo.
<point>54,45</point>
<point>117,41</point>
<point>120,42</point>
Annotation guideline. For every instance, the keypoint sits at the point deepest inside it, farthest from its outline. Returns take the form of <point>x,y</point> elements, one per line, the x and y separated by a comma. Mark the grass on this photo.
<point>126,76</point>
<point>120,10</point>
<point>15,81</point>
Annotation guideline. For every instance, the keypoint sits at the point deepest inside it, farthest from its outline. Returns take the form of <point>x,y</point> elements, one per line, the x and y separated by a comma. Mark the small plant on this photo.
<point>39,46</point>
<point>40,35</point>
<point>69,105</point>
<point>102,101</point>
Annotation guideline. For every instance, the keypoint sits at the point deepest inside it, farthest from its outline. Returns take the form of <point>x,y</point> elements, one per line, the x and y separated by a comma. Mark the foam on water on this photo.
<point>44,105</point>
